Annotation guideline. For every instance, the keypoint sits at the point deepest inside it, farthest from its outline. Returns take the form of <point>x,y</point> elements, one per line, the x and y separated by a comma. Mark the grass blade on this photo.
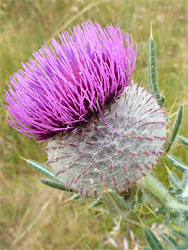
<point>175,128</point>
<point>152,240</point>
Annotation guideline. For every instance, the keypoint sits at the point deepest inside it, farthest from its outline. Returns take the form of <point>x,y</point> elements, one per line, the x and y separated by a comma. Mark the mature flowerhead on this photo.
<point>78,94</point>
<point>61,86</point>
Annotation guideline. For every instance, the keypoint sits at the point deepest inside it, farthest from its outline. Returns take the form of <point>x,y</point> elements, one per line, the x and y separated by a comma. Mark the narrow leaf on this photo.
<point>184,181</point>
<point>152,72</point>
<point>177,163</point>
<point>175,128</point>
<point>97,203</point>
<point>152,240</point>
<point>56,185</point>
<point>76,197</point>
<point>179,234</point>
<point>175,180</point>
<point>183,140</point>
<point>44,170</point>
<point>170,240</point>
<point>181,219</point>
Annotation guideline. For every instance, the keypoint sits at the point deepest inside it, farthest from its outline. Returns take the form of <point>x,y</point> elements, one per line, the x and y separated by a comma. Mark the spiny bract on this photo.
<point>96,153</point>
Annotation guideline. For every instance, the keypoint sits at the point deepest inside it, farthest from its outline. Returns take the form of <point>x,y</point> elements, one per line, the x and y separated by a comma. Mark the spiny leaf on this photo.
<point>175,128</point>
<point>56,185</point>
<point>44,170</point>
<point>177,163</point>
<point>175,180</point>
<point>114,203</point>
<point>183,140</point>
<point>97,203</point>
<point>152,240</point>
<point>76,197</point>
<point>152,72</point>
<point>170,240</point>
<point>184,181</point>
<point>168,218</point>
<point>180,219</point>
<point>179,234</point>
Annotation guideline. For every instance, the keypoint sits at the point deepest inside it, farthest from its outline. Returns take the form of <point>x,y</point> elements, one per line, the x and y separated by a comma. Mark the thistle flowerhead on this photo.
<point>59,88</point>
<point>78,95</point>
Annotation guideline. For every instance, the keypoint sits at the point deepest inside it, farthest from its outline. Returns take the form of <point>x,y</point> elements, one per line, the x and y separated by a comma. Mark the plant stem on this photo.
<point>160,192</point>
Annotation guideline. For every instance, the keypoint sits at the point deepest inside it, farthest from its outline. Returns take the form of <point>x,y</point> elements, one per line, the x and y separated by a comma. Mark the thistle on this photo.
<point>78,95</point>
<point>105,132</point>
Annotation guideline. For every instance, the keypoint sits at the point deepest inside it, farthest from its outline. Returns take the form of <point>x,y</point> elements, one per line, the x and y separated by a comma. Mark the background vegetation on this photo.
<point>32,215</point>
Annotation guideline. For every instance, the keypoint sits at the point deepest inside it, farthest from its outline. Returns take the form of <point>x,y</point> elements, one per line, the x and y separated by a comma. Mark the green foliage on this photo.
<point>44,170</point>
<point>177,163</point>
<point>56,185</point>
<point>152,240</point>
<point>152,72</point>
<point>175,129</point>
<point>97,203</point>
<point>183,140</point>
<point>179,187</point>
<point>31,216</point>
<point>173,242</point>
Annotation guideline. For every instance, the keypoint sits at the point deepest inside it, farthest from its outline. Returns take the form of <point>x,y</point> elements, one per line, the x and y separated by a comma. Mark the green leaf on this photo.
<point>44,170</point>
<point>177,163</point>
<point>180,219</point>
<point>175,181</point>
<point>152,240</point>
<point>97,203</point>
<point>184,181</point>
<point>175,128</point>
<point>152,72</point>
<point>183,140</point>
<point>115,204</point>
<point>56,185</point>
<point>168,218</point>
<point>76,197</point>
<point>179,234</point>
<point>170,240</point>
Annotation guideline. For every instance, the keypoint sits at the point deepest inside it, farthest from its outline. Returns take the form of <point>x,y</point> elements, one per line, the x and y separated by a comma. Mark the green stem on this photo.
<point>159,191</point>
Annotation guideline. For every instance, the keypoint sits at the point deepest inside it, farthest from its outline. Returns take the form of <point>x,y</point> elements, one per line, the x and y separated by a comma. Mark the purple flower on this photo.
<point>78,94</point>
<point>70,80</point>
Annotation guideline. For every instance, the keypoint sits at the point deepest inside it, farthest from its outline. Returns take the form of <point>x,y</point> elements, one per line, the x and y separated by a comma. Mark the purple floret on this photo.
<point>67,81</point>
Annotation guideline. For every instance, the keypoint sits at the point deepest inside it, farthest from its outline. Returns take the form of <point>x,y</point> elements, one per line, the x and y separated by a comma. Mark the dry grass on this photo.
<point>32,215</point>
